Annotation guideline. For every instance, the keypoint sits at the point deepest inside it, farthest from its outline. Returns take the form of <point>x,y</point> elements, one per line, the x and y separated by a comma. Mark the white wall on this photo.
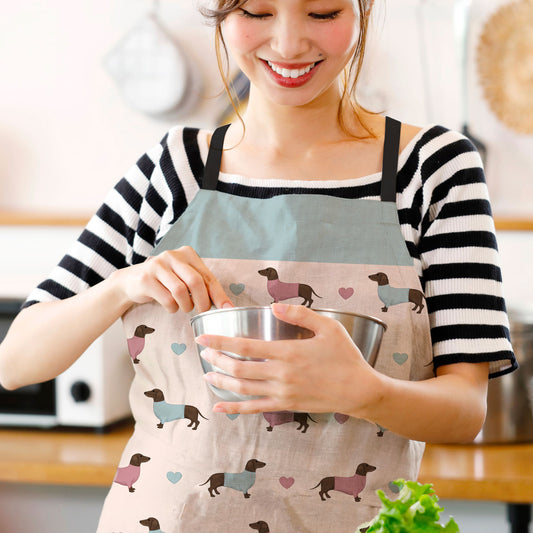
<point>66,134</point>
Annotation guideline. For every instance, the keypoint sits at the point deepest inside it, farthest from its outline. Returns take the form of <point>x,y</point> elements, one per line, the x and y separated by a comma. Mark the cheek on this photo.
<point>339,40</point>
<point>240,35</point>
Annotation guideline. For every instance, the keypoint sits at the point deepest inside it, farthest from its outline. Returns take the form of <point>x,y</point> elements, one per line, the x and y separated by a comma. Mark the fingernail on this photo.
<point>226,305</point>
<point>280,308</point>
<point>218,409</point>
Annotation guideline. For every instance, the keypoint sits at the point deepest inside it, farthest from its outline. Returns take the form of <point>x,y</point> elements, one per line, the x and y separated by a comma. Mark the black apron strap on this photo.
<point>391,151</point>
<point>212,166</point>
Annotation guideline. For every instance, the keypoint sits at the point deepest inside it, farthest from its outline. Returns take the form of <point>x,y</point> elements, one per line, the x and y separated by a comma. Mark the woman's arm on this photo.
<point>327,373</point>
<point>46,338</point>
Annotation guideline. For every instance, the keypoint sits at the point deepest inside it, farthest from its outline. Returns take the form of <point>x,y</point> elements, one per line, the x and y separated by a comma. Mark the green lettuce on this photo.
<point>414,511</point>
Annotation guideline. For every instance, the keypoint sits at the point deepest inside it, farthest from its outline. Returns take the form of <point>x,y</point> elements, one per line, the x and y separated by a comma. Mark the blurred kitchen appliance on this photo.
<point>510,397</point>
<point>92,393</point>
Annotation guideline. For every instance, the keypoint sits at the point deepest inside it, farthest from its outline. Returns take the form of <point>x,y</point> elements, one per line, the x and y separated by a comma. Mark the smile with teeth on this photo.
<point>290,73</point>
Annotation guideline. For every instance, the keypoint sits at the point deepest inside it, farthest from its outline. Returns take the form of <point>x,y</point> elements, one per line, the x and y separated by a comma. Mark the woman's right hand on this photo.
<point>176,279</point>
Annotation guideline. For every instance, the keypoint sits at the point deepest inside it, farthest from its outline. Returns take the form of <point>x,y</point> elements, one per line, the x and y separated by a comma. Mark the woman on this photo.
<point>297,193</point>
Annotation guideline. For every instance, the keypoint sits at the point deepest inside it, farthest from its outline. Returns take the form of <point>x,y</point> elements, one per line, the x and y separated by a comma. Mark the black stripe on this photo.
<point>190,142</point>
<point>464,176</point>
<point>179,200</point>
<point>146,166</point>
<point>113,219</point>
<point>155,201</point>
<point>137,258</point>
<point>146,232</point>
<point>462,270</point>
<point>465,301</point>
<point>78,269</point>
<point>465,208</point>
<point>488,357</point>
<point>130,195</point>
<point>477,239</point>
<point>363,191</point>
<point>103,249</point>
<point>468,331</point>
<point>55,289</point>
<point>444,155</point>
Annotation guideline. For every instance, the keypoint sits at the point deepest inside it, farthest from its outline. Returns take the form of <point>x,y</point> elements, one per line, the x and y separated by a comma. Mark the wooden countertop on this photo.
<point>59,457</point>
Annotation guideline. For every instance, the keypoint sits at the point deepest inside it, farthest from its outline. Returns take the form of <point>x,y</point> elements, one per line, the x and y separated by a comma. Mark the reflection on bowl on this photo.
<point>260,323</point>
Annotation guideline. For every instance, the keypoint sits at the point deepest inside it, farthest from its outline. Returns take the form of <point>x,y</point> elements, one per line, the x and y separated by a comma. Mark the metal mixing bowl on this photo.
<point>260,323</point>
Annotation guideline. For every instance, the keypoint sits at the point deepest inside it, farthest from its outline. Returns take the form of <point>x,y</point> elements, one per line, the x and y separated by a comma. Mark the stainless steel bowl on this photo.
<point>260,323</point>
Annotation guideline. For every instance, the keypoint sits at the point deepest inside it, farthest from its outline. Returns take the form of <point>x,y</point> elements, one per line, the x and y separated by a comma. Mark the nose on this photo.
<point>290,39</point>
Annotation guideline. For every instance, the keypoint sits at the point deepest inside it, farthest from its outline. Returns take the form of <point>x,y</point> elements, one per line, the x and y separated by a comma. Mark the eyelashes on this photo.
<point>316,16</point>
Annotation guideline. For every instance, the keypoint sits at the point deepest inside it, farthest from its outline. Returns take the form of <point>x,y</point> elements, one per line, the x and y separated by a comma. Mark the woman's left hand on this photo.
<point>326,373</point>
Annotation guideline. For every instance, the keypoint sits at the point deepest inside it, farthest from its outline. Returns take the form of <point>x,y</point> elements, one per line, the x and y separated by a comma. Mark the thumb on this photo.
<point>298,315</point>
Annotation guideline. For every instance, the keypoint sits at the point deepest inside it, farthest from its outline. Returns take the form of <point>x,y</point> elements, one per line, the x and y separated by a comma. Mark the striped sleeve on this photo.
<point>458,257</point>
<point>129,223</point>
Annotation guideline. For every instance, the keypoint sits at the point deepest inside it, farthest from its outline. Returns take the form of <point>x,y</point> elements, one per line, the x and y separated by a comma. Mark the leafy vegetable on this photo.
<point>414,511</point>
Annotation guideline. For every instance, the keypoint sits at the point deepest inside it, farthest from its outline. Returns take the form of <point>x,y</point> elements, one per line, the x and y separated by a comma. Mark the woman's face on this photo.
<point>293,50</point>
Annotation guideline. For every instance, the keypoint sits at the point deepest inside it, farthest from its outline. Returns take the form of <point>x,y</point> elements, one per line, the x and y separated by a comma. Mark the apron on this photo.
<point>187,469</point>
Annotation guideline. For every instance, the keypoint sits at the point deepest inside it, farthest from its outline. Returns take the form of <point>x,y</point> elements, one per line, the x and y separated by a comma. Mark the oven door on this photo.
<point>34,405</point>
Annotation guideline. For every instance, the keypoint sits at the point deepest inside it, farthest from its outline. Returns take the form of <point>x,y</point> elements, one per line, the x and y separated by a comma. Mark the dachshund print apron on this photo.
<point>187,469</point>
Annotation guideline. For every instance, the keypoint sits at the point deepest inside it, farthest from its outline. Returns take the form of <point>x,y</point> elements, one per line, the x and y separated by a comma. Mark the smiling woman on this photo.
<point>316,11</point>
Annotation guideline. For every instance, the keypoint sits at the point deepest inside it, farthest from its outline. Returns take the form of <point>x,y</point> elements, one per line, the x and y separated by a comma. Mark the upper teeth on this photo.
<point>290,73</point>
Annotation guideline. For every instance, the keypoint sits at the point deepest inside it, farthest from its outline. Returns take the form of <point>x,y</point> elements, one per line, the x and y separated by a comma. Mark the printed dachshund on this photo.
<point>167,412</point>
<point>276,418</point>
<point>152,524</point>
<point>280,290</point>
<point>260,526</point>
<point>352,485</point>
<point>136,343</point>
<point>241,481</point>
<point>393,295</point>
<point>128,475</point>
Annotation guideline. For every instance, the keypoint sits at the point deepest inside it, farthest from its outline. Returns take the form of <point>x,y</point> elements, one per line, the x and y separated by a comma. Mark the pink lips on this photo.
<point>291,83</point>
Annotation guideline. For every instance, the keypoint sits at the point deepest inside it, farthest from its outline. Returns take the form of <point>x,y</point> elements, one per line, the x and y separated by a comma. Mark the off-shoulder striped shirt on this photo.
<point>443,209</point>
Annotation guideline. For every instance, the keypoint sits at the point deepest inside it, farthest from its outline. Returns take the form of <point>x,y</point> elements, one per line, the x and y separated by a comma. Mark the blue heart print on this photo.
<point>236,288</point>
<point>177,348</point>
<point>232,416</point>
<point>174,477</point>
<point>400,358</point>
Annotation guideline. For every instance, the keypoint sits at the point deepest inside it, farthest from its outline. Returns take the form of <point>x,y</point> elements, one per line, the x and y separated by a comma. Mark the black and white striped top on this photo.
<point>443,209</point>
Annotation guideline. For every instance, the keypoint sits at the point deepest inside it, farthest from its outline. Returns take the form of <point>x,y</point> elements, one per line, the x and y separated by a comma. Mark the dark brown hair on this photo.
<point>348,101</point>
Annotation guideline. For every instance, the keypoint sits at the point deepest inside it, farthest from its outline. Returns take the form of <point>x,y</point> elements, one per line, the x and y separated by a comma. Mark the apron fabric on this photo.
<point>187,469</point>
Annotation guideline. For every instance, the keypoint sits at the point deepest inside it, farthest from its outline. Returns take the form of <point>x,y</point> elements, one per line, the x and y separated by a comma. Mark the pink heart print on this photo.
<point>286,482</point>
<point>341,418</point>
<point>346,292</point>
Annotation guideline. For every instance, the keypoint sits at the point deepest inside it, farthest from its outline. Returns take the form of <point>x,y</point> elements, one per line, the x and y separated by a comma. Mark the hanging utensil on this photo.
<point>151,70</point>
<point>462,30</point>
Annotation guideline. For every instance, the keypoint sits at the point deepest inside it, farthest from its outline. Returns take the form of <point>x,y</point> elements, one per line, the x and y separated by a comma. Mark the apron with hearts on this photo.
<point>187,469</point>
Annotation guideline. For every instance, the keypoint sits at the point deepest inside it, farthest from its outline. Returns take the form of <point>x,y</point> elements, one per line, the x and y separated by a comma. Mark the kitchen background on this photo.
<point>73,118</point>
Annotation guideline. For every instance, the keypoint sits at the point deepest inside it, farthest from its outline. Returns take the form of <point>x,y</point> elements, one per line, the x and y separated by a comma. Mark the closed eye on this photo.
<point>325,16</point>
<point>248,14</point>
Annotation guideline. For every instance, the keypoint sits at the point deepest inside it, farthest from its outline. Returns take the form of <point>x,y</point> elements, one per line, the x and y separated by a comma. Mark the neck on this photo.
<point>294,128</point>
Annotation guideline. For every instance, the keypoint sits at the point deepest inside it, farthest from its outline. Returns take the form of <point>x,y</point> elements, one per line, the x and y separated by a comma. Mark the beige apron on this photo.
<point>187,469</point>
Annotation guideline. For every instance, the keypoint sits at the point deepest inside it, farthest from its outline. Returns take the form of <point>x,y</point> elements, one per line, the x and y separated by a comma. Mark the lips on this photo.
<point>291,75</point>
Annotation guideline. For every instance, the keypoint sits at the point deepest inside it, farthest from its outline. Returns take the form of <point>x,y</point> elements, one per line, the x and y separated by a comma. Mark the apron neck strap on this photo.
<point>212,166</point>
<point>391,151</point>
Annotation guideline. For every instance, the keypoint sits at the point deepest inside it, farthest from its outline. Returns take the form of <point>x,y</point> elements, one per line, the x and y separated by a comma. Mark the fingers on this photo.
<point>299,315</point>
<point>252,370</point>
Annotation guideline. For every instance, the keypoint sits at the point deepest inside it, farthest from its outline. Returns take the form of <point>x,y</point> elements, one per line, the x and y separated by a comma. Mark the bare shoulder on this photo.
<point>409,132</point>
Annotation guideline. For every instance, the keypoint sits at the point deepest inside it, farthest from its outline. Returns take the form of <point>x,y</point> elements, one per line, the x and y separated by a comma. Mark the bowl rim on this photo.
<point>264,307</point>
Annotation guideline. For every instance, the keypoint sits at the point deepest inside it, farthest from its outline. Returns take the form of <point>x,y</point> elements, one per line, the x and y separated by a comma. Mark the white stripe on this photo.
<point>444,256</point>
<point>452,317</point>
<point>471,346</point>
<point>181,163</point>
<point>476,286</point>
